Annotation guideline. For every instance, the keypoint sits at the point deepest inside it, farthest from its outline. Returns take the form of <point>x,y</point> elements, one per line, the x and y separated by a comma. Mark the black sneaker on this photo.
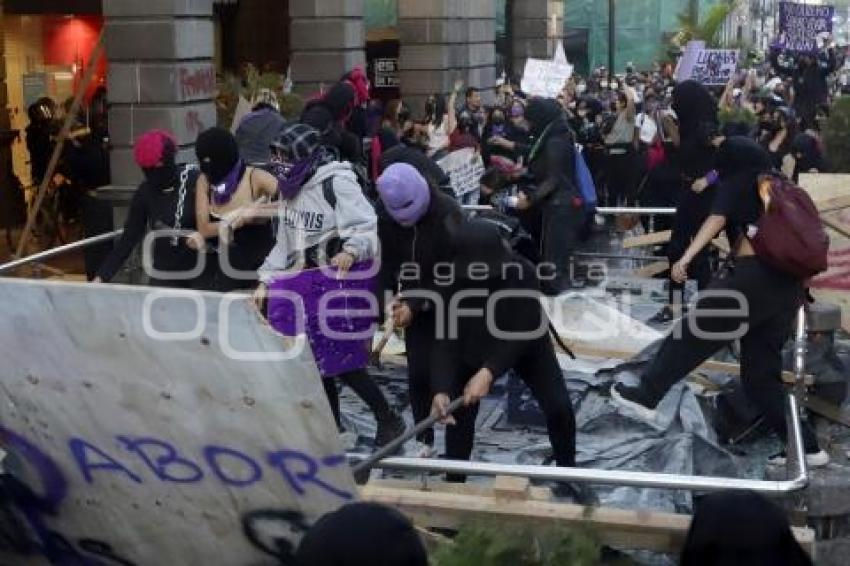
<point>635,400</point>
<point>575,492</point>
<point>389,428</point>
<point>817,459</point>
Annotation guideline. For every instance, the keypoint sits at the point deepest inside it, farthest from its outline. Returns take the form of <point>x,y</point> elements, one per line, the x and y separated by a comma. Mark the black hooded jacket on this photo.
<point>552,157</point>
<point>422,246</point>
<point>509,285</point>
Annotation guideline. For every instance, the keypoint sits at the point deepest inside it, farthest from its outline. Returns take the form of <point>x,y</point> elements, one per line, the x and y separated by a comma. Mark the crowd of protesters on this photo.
<point>350,196</point>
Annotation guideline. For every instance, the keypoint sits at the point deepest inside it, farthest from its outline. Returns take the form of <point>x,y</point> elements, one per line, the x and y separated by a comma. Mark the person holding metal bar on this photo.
<point>749,299</point>
<point>415,221</point>
<point>496,323</point>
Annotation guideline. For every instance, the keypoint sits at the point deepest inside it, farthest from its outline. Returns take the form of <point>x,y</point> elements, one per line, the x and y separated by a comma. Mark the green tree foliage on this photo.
<point>836,136</point>
<point>708,28</point>
<point>501,545</point>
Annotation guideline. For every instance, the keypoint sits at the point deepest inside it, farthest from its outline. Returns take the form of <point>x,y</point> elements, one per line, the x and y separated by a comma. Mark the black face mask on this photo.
<point>161,177</point>
<point>217,153</point>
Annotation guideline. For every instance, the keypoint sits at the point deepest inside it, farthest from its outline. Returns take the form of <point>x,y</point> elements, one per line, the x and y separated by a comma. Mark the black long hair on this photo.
<point>438,111</point>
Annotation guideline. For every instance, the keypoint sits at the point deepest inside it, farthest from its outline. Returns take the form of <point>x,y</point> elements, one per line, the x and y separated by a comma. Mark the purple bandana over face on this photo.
<point>294,179</point>
<point>223,192</point>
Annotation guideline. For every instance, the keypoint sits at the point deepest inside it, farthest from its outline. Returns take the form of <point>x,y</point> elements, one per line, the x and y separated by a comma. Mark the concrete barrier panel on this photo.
<point>133,430</point>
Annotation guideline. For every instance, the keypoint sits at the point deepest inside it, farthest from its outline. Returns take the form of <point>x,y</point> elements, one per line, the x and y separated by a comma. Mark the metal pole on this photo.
<point>798,393</point>
<point>649,258</point>
<point>53,252</point>
<point>612,39</point>
<point>614,477</point>
<point>614,210</point>
<point>604,211</point>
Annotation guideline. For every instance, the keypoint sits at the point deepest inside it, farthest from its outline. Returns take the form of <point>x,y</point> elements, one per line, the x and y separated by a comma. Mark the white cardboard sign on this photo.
<point>465,168</point>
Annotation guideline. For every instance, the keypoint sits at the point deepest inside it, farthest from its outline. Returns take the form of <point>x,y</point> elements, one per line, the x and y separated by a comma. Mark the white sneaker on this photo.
<point>813,460</point>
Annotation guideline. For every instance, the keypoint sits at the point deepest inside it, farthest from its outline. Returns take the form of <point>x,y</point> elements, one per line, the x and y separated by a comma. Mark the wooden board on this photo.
<point>160,446</point>
<point>651,239</point>
<point>652,269</point>
<point>590,351</point>
<point>621,528</point>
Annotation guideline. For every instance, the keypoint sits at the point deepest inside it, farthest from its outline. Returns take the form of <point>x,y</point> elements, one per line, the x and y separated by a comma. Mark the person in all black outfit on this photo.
<point>415,224</point>
<point>484,348</point>
<point>165,201</point>
<point>697,113</point>
<point>762,323</point>
<point>554,193</point>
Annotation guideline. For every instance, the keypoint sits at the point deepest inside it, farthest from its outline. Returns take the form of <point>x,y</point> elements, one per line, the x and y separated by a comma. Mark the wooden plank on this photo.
<point>652,269</point>
<point>834,204</point>
<point>827,409</point>
<point>511,487</point>
<point>621,528</point>
<point>711,365</point>
<point>651,239</point>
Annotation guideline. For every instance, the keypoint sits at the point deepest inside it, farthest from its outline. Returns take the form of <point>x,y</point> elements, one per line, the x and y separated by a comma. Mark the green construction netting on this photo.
<point>384,13</point>
<point>642,27</point>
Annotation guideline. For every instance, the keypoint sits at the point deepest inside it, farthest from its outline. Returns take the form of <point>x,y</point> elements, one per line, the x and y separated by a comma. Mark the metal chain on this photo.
<point>181,202</point>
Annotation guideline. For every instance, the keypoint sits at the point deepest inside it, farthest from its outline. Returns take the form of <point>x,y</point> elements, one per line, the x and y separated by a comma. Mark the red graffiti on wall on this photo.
<point>197,83</point>
<point>194,125</point>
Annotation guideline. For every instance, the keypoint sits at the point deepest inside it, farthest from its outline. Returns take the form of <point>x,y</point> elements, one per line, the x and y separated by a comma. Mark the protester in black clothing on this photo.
<point>514,336</point>
<point>39,133</point>
<point>762,320</point>
<point>164,202</point>
<point>695,157</point>
<point>779,143</point>
<point>741,528</point>
<point>809,76</point>
<point>426,166</point>
<point>551,165</point>
<point>503,141</point>
<point>231,194</point>
<point>808,157</point>
<point>361,534</point>
<point>415,224</point>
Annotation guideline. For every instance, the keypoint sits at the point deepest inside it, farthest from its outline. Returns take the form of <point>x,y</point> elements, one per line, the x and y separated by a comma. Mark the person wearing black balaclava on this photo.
<point>232,194</point>
<point>696,110</point>
<point>156,204</point>
<point>741,528</point>
<point>749,300</point>
<point>553,193</point>
<point>514,335</point>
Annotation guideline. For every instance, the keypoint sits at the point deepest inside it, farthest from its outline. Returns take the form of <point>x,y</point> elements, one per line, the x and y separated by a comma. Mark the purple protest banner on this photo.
<point>334,313</point>
<point>800,26</point>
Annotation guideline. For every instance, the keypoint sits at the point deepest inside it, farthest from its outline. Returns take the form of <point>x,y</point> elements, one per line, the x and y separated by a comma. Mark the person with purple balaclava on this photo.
<point>414,220</point>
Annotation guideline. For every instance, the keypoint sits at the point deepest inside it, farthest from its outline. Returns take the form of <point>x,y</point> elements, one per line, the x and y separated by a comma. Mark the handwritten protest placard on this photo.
<point>139,434</point>
<point>800,25</point>
<point>464,167</point>
<point>708,66</point>
<point>715,66</point>
<point>545,77</point>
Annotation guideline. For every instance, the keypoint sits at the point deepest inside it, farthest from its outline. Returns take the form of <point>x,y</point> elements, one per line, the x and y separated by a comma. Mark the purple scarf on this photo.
<point>291,182</point>
<point>223,192</point>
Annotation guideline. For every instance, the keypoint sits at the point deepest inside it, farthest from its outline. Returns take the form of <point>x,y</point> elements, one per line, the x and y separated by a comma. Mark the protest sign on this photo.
<point>134,435</point>
<point>465,168</point>
<point>545,77</point>
<point>714,67</point>
<point>710,67</point>
<point>801,25</point>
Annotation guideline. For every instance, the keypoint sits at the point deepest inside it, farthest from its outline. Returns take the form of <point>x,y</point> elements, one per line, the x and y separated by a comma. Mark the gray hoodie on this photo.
<point>310,220</point>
